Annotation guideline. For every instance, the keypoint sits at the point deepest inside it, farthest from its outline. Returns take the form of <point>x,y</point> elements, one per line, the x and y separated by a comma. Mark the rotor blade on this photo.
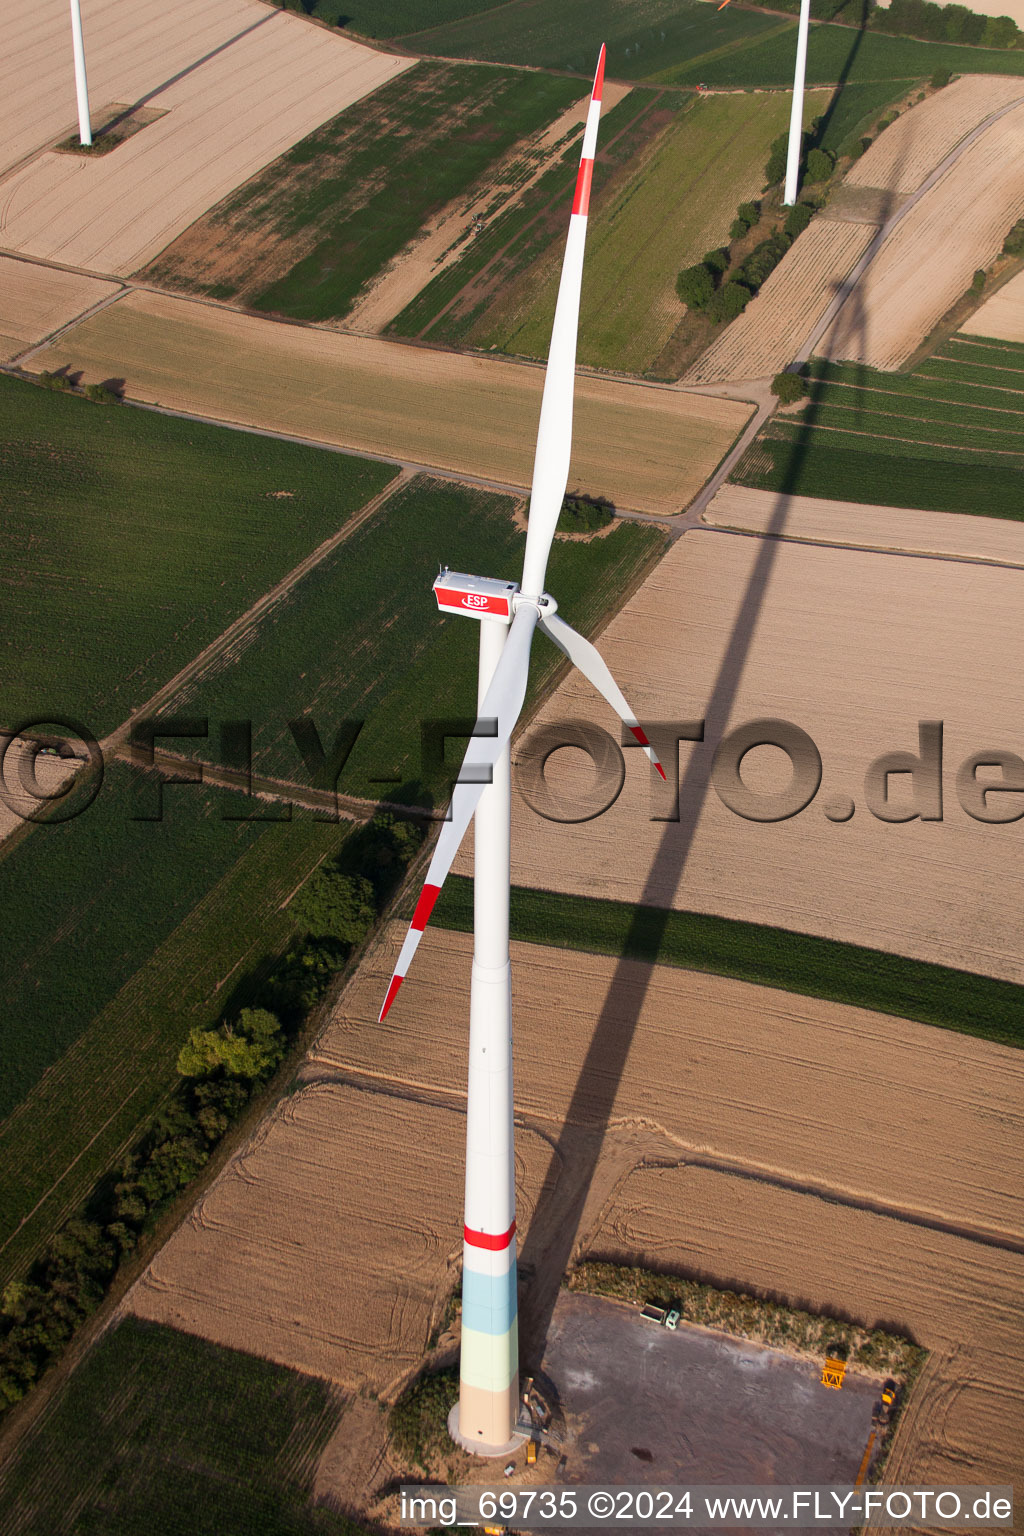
<point>501,706</point>
<point>554,435</point>
<point>594,668</point>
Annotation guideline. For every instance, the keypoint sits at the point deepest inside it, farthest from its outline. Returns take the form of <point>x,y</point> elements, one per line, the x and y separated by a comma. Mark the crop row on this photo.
<point>843,468</point>
<point>945,429</point>
<point>160,1432</point>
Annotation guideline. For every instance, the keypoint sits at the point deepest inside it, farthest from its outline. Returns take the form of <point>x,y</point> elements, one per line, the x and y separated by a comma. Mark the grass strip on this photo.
<point>771,957</point>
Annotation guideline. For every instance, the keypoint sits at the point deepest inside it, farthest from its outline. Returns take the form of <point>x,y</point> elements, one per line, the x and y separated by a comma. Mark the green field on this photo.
<point>948,437</point>
<point>120,936</point>
<point>132,540</point>
<point>157,1433</point>
<point>357,190</point>
<point>854,109</point>
<point>390,18</point>
<point>642,36</point>
<point>677,203</point>
<point>361,637</point>
<point>529,224</point>
<point>836,53</point>
<point>770,957</point>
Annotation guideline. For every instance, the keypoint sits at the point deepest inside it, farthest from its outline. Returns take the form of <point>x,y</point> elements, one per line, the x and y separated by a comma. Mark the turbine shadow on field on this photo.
<point>191,68</point>
<point>844,75</point>
<point>556,1227</point>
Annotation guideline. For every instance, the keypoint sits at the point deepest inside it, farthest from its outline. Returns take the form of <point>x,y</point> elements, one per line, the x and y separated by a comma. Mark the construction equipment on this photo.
<point>531,1453</point>
<point>832,1372</point>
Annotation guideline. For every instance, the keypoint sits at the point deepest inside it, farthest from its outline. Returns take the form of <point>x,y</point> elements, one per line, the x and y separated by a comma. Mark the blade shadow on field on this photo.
<point>557,1225</point>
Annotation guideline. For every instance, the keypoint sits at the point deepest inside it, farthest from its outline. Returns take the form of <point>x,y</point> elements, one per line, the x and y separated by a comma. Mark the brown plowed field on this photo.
<point>929,259</point>
<point>295,1254</point>
<point>647,448</point>
<point>764,338</point>
<point>902,156</point>
<point>34,301</point>
<point>961,1300</point>
<point>1001,316</point>
<point>818,520</point>
<point>227,113</point>
<point>855,648</point>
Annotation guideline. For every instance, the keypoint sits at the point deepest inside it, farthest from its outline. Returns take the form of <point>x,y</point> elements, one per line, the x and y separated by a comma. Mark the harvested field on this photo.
<point>908,150</point>
<point>251,97</point>
<point>34,301</point>
<point>773,1198</point>
<point>821,521</point>
<point>764,338</point>
<point>929,259</point>
<point>1001,317</point>
<point>731,630</point>
<point>441,242</point>
<point>960,1300</point>
<point>678,1054</point>
<point>650,451</point>
<point>294,1256</point>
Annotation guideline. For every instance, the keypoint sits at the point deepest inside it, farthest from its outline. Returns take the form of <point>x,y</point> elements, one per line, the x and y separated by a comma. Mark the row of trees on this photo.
<point>220,1071</point>
<point>915,18</point>
<point>711,288</point>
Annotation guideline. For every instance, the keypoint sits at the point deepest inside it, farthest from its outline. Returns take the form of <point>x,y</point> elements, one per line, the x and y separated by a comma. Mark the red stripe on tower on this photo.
<point>581,202</point>
<point>493,1241</point>
<point>425,905</point>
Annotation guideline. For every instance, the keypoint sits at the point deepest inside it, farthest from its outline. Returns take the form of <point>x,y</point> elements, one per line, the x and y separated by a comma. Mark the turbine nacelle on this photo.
<point>484,597</point>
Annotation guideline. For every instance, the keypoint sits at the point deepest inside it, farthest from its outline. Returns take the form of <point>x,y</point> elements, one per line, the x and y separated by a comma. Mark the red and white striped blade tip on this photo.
<point>642,739</point>
<point>420,919</point>
<point>595,94</point>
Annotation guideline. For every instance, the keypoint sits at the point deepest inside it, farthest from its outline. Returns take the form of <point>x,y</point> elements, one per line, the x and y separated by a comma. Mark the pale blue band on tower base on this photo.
<point>489,1302</point>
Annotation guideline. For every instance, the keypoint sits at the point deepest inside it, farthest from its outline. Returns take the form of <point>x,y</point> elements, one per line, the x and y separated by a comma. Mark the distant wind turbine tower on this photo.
<point>796,117</point>
<point>509,613</point>
<point>81,84</point>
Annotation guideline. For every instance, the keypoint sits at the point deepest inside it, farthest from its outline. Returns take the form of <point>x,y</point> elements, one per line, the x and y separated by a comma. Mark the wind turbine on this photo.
<point>796,116</point>
<point>81,84</point>
<point>484,1419</point>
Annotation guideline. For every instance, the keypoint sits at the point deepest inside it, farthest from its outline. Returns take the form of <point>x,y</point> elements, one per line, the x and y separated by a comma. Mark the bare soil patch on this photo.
<point>228,112</point>
<point>931,256</point>
<point>852,522</point>
<point>855,648</point>
<point>35,301</point>
<point>647,449</point>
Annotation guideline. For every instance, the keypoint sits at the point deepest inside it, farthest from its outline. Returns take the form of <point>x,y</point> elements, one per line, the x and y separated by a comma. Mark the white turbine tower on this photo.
<point>509,613</point>
<point>796,116</point>
<point>81,84</point>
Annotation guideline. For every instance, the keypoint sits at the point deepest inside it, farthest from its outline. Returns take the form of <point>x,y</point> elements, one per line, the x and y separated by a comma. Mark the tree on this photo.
<point>695,286</point>
<point>1013,245</point>
<point>978,280</point>
<point>789,387</point>
<point>717,260</point>
<point>730,300</point>
<point>335,906</point>
<point>776,167</point>
<point>820,165</point>
<point>250,1049</point>
<point>797,219</point>
<point>940,78</point>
